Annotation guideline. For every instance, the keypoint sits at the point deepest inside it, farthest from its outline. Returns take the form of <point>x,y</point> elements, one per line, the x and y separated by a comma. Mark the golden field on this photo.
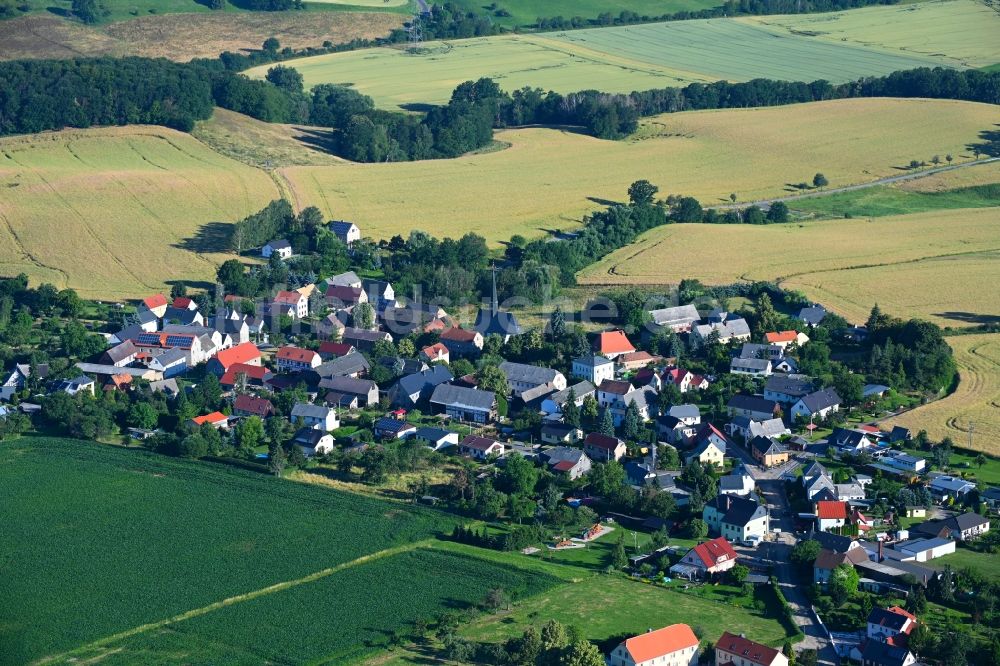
<point>976,399</point>
<point>109,212</point>
<point>942,266</point>
<point>549,178</point>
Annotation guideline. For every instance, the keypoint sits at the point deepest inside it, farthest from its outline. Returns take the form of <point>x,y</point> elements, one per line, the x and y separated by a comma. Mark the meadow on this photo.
<point>119,212</point>
<point>977,398</point>
<point>99,540</point>
<point>895,200</point>
<point>550,178</point>
<point>659,55</point>
<point>183,36</point>
<point>931,265</point>
<point>527,12</point>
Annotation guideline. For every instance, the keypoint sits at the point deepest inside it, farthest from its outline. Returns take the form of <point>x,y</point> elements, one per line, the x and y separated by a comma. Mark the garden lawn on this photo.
<point>963,558</point>
<point>99,540</point>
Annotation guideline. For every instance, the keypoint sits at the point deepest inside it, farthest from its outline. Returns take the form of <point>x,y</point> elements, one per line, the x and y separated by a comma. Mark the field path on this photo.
<point>888,180</point>
<point>94,646</point>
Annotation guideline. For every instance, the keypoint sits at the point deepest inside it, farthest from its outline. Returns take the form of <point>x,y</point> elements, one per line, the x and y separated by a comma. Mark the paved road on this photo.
<point>778,553</point>
<point>766,203</point>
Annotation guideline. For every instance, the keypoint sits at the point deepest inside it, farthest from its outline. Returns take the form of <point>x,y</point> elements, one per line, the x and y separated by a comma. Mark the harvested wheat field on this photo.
<point>119,212</point>
<point>549,178</point>
<point>265,145</point>
<point>982,174</point>
<point>943,266</point>
<point>182,37</point>
<point>976,399</point>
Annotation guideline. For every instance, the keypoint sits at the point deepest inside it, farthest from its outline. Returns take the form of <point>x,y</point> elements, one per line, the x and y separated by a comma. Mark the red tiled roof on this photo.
<point>257,372</point>
<point>214,417</point>
<point>344,294</point>
<point>181,303</point>
<point>828,510</point>
<point>335,348</point>
<point>155,301</point>
<point>746,648</point>
<point>661,642</point>
<point>287,297</point>
<point>435,325</point>
<point>435,350</point>
<point>602,441</point>
<point>458,335</point>
<point>781,336</point>
<point>613,342</point>
<point>241,353</point>
<point>563,465</point>
<point>296,354</point>
<point>253,405</point>
<point>639,356</point>
<point>714,551</point>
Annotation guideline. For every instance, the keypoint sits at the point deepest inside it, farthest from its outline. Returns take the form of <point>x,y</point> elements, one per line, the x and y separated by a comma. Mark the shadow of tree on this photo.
<point>970,317</point>
<point>990,144</point>
<point>211,237</point>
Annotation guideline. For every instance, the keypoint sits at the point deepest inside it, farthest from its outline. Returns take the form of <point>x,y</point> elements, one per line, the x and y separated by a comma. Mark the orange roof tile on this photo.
<point>155,301</point>
<point>782,336</point>
<point>661,642</point>
<point>214,417</point>
<point>830,510</point>
<point>613,342</point>
<point>287,297</point>
<point>296,354</point>
<point>241,353</point>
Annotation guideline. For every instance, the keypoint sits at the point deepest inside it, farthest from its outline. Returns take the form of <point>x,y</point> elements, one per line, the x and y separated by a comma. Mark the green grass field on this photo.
<point>889,200</point>
<point>550,179</point>
<point>117,212</point>
<point>527,12</point>
<point>658,55</point>
<point>100,540</point>
<point>963,558</point>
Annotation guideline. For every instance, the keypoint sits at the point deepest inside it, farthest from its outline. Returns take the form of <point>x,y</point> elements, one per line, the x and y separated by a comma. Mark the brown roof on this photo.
<point>253,405</point>
<point>746,648</point>
<point>615,386</point>
<point>296,354</point>
<point>459,335</point>
<point>478,443</point>
<point>602,441</point>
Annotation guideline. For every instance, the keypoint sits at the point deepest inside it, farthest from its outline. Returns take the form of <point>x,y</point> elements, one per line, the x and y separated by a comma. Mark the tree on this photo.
<point>250,433</point>
<point>805,553</point>
<point>363,316</point>
<point>277,459</point>
<point>571,412</point>
<point>916,601</point>
<point>738,574</point>
<point>406,348</point>
<point>849,386</point>
<point>843,583</point>
<point>286,78</point>
<point>778,212</point>
<point>980,460</point>
<point>492,378</point>
<point>518,477</point>
<point>557,323</point>
<point>582,653</point>
<point>590,408</point>
<point>619,560</point>
<point>641,192</point>
<point>819,180</point>
<point>86,10</point>
<point>496,599</point>
<point>230,273</point>
<point>697,529</point>
<point>271,45</point>
<point>768,319</point>
<point>632,424</point>
<point>607,424</point>
<point>808,658</point>
<point>553,636</point>
<point>142,415</point>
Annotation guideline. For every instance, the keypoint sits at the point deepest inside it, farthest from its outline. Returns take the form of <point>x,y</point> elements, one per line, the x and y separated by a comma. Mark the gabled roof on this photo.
<point>426,380</point>
<point>812,315</point>
<point>279,244</point>
<point>966,521</point>
<point>660,643</point>
<point>714,551</point>
<point>819,400</point>
<point>342,366</point>
<point>766,446</point>
<point>595,361</point>
<point>287,297</point>
<point>532,374</point>
<point>296,354</point>
<point>613,342</point>
<point>121,352</point>
<point>459,396</point>
<point>309,437</point>
<point>241,353</point>
<point>456,334</point>
<point>602,441</point>
<point>615,386</point>
<point>737,510</point>
<point>341,227</point>
<point>155,301</point>
<point>883,654</point>
<point>761,364</point>
<point>781,336</point>
<point>348,385</point>
<point>310,411</point>
<point>253,405</point>
<point>344,279</point>
<point>335,348</point>
<point>479,443</point>
<point>754,403</point>
<point>392,425</point>
<point>255,372</point>
<point>364,335</point>
<point>746,648</point>
<point>795,386</point>
<point>581,389</point>
<point>214,417</point>
<point>687,411</point>
<point>831,510</point>
<point>681,315</point>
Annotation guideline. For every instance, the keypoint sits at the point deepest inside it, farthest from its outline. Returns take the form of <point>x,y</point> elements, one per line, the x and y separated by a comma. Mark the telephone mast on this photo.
<point>415,31</point>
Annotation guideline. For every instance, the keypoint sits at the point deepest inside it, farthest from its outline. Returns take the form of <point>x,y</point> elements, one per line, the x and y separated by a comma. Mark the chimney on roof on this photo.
<point>743,635</point>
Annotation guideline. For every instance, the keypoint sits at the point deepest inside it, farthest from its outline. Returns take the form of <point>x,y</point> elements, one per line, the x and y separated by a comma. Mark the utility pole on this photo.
<point>972,430</point>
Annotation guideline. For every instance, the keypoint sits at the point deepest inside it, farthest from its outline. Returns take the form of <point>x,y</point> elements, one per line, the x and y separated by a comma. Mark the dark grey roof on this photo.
<point>431,434</point>
<point>308,437</point>
<point>966,521</point>
<point>559,430</point>
<point>789,385</point>
<point>581,390</point>
<point>820,400</point>
<point>449,394</point>
<point>757,350</point>
<point>687,411</point>
<point>342,366</point>
<point>761,364</point>
<point>753,403</point>
<point>341,227</point>
<point>532,374</point>
<point>883,654</point>
<point>344,279</point>
<point>737,510</point>
<point>306,410</point>
<point>181,315</point>
<point>766,446</point>
<point>121,352</point>
<point>500,322</point>
<point>846,438</point>
<point>280,244</point>
<point>348,385</point>
<point>364,335</point>
<point>393,425</point>
<point>593,361</point>
<point>812,315</point>
<point>422,382</point>
<point>831,541</point>
<point>563,453</point>
<point>887,619</point>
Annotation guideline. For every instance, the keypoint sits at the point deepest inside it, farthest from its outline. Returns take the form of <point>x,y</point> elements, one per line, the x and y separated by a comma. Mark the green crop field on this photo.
<point>930,265</point>
<point>658,55</point>
<point>117,212</point>
<point>337,619</point>
<point>892,200</point>
<point>99,540</point>
<point>549,179</point>
<point>527,12</point>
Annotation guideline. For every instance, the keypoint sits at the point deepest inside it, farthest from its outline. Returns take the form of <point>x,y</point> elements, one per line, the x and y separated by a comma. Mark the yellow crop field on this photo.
<point>977,398</point>
<point>118,212</point>
<point>549,179</point>
<point>943,266</point>
<point>961,32</point>
<point>982,174</point>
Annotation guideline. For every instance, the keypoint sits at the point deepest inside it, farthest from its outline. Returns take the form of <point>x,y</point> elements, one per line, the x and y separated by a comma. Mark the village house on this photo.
<point>465,404</point>
<point>296,359</point>
<point>757,350</point>
<point>712,557</point>
<point>944,487</point>
<point>331,326</point>
<point>684,380</point>
<point>636,360</point>
<point>603,448</point>
<point>291,304</point>
<point>171,363</point>
<point>232,324</point>
<point>120,355</point>
<point>877,653</point>
<point>522,377</point>
<point>748,428</point>
<point>967,526</point>
<point>555,402</point>
<point>417,388</point>
<point>754,367</point>
<point>214,419</point>
<point>612,391</point>
<point>347,232</point>
<point>572,462</point>
<point>673,430</point>
<point>828,560</point>
<point>436,438</point>
<point>678,319</point>
<point>787,389</point>
<point>244,354</point>
<point>251,405</point>
<point>817,405</point>
<point>612,344</point>
<point>752,406</point>
<point>387,428</point>
<point>480,448</point>
<point>890,625</point>
<point>739,519</point>
<point>644,400</point>
<point>675,645</point>
<point>329,350</point>
<point>733,329</point>
<point>363,340</point>
<point>922,550</point>
<point>344,298</point>
<point>737,482</point>
<point>365,390</point>
<point>313,442</point>
<point>553,432</point>
<point>786,339</point>
<point>436,353</point>
<point>831,515</point>
<point>904,462</point>
<point>252,375</point>
<point>594,369</point>
<point>282,248</point>
<point>315,416</point>
<point>767,452</point>
<point>740,651</point>
<point>349,365</point>
<point>81,384</point>
<point>812,315</point>
<point>157,304</point>
<point>463,343</point>
<point>707,451</point>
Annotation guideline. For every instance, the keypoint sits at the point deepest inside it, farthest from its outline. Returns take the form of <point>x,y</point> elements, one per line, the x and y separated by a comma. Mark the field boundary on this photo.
<point>239,598</point>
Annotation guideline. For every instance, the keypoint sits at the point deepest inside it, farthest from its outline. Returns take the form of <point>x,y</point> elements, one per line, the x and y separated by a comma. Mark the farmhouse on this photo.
<point>344,298</point>
<point>522,377</point>
<point>752,406</point>
<point>292,304</point>
<point>967,526</point>
<point>120,355</point>
<point>465,404</point>
<point>435,353</point>
<point>675,645</point>
<point>732,329</point>
<point>363,340</point>
<point>480,448</point>
<point>348,365</point>
<point>678,319</point>
<point>730,649</point>
<point>461,342</point>
<point>712,557</point>
<point>282,248</point>
<point>171,363</point>
<point>636,360</point>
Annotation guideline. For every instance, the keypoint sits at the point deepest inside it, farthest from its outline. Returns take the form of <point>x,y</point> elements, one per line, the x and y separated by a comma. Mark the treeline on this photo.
<point>908,354</point>
<point>38,95</point>
<point>730,8</point>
